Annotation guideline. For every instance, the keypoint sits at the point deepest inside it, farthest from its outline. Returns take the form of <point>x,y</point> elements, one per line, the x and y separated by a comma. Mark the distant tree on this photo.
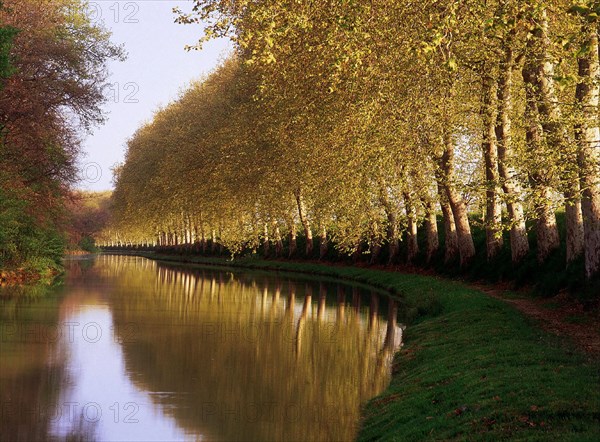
<point>89,214</point>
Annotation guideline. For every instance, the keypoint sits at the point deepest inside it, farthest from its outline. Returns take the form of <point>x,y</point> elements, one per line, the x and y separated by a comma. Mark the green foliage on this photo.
<point>7,34</point>
<point>359,120</point>
<point>590,10</point>
<point>55,55</point>
<point>88,244</point>
<point>24,242</point>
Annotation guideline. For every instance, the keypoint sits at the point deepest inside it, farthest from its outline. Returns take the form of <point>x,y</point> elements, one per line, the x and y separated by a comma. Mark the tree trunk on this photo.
<point>519,244</point>
<point>574,219</point>
<point>305,222</point>
<point>540,176</point>
<point>588,154</point>
<point>202,239</point>
<point>357,254</point>
<point>412,245</point>
<point>392,227</point>
<point>375,244</point>
<point>202,235</point>
<point>431,229</point>
<point>213,241</point>
<point>196,237</point>
<point>450,238</point>
<point>220,242</point>
<point>557,138</point>
<point>278,240</point>
<point>266,244</point>
<point>293,239</point>
<point>493,212</point>
<point>188,229</point>
<point>323,243</point>
<point>466,248</point>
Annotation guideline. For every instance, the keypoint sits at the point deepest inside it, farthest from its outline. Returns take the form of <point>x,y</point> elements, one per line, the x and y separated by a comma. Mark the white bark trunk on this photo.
<point>323,242</point>
<point>558,139</point>
<point>305,222</point>
<point>588,140</point>
<point>493,212</point>
<point>547,232</point>
<point>466,248</point>
<point>412,245</point>
<point>450,238</point>
<point>519,244</point>
<point>266,244</point>
<point>431,229</point>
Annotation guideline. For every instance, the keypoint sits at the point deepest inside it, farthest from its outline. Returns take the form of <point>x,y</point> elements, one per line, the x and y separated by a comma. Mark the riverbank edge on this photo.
<point>45,271</point>
<point>471,366</point>
<point>26,277</point>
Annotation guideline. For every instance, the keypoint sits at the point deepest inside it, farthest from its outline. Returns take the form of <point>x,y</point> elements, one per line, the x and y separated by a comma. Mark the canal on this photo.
<point>127,348</point>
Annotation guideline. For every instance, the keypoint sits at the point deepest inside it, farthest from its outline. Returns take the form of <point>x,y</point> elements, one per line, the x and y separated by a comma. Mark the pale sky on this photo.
<point>156,70</point>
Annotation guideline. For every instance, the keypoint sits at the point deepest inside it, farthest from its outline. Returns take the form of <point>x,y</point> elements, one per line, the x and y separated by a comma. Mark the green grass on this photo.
<point>577,319</point>
<point>485,374</point>
<point>507,294</point>
<point>471,368</point>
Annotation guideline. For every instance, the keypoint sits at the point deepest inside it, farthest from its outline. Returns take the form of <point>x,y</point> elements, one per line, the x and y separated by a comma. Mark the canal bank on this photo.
<point>472,367</point>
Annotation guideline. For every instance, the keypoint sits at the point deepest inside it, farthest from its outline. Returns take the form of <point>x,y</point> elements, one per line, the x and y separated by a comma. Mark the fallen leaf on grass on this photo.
<point>386,400</point>
<point>459,411</point>
<point>488,422</point>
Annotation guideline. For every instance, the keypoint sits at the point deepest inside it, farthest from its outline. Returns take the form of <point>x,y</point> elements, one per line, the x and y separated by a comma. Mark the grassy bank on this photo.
<point>472,367</point>
<point>544,280</point>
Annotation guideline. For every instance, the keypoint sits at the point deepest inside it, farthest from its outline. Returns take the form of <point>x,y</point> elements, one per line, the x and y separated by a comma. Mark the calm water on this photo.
<point>131,349</point>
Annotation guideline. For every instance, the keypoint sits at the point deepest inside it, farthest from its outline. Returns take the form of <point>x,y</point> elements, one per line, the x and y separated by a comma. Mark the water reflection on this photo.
<point>31,368</point>
<point>166,353</point>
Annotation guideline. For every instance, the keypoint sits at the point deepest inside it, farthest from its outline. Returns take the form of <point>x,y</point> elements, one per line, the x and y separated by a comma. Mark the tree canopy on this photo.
<point>359,122</point>
<point>52,72</point>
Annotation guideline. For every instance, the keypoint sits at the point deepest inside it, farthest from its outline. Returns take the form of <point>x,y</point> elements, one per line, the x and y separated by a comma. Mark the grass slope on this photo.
<point>472,367</point>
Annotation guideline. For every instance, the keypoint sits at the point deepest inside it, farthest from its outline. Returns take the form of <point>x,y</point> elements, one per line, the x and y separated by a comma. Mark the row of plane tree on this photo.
<point>362,122</point>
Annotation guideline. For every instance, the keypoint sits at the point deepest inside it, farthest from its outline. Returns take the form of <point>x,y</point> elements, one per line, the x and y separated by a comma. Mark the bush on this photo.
<point>26,242</point>
<point>88,244</point>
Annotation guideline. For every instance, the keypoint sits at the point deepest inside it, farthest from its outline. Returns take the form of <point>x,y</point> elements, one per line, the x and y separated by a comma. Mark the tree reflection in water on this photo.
<point>253,356</point>
<point>225,356</point>
<point>32,363</point>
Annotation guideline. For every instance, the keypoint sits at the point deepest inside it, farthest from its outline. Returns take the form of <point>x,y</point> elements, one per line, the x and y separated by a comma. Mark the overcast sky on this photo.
<point>156,70</point>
